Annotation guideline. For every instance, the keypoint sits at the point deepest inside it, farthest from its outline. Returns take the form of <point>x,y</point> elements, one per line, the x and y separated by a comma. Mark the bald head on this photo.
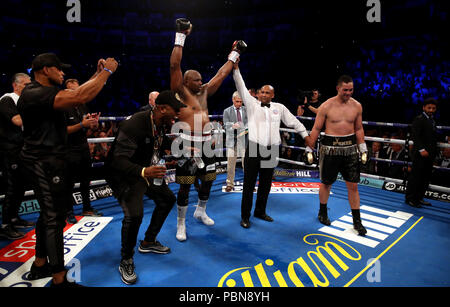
<point>193,80</point>
<point>267,93</point>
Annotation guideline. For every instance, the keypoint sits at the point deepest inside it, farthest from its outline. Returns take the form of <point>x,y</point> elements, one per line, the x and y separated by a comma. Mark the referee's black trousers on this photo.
<point>259,160</point>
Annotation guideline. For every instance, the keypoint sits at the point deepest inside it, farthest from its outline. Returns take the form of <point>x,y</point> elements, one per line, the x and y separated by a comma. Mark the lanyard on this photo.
<point>158,136</point>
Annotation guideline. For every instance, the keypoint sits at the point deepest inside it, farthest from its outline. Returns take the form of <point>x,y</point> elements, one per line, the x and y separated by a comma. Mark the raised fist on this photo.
<point>100,65</point>
<point>111,64</point>
<point>239,46</point>
<point>236,50</point>
<point>183,25</point>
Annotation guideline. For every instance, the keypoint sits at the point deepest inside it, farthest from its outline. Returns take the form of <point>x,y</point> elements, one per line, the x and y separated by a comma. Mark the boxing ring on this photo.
<point>404,246</point>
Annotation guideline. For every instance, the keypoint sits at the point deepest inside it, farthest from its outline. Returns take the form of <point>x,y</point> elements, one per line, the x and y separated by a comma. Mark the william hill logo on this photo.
<point>330,252</point>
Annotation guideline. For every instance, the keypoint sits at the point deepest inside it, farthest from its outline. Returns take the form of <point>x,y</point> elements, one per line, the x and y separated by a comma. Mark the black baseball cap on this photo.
<point>170,98</point>
<point>48,60</point>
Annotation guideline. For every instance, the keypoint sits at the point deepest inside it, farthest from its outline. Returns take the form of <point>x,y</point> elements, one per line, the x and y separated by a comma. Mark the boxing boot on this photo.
<point>200,213</point>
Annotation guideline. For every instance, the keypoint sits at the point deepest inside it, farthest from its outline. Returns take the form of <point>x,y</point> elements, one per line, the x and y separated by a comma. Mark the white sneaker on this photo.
<point>181,230</point>
<point>200,214</point>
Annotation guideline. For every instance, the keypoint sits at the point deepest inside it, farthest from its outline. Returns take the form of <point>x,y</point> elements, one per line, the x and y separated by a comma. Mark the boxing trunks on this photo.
<point>189,166</point>
<point>339,154</point>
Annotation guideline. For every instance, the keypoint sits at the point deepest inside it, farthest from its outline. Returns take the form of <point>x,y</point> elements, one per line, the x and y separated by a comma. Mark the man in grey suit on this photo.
<point>235,124</point>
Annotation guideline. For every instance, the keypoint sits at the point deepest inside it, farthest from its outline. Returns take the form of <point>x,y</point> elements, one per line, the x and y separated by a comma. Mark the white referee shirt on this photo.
<point>13,96</point>
<point>263,122</point>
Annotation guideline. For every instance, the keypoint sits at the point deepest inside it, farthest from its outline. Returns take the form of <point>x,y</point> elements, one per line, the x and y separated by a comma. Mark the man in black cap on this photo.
<point>133,163</point>
<point>41,107</point>
<point>424,137</point>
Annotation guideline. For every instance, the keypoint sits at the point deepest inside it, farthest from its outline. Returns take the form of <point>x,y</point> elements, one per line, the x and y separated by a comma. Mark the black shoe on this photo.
<point>39,272</point>
<point>21,223</point>
<point>263,217</point>
<point>424,203</point>
<point>413,204</point>
<point>127,272</point>
<point>71,218</point>
<point>357,225</point>
<point>154,247</point>
<point>91,212</point>
<point>66,284</point>
<point>323,218</point>
<point>245,223</point>
<point>10,232</point>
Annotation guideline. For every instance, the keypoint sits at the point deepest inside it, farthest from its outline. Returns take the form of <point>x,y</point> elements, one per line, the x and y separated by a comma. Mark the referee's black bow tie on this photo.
<point>265,105</point>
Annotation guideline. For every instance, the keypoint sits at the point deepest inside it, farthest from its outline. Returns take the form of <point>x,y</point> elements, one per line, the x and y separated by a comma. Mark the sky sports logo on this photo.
<point>283,188</point>
<point>17,257</point>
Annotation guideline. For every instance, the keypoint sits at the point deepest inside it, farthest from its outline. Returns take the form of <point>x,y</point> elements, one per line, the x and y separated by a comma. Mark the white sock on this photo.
<point>200,213</point>
<point>181,223</point>
<point>181,210</point>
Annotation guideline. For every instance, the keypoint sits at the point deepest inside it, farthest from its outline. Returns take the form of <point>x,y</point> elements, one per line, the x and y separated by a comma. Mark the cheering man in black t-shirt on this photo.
<point>41,107</point>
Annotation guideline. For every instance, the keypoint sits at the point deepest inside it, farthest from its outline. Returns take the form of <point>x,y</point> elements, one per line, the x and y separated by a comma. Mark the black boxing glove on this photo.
<point>236,50</point>
<point>363,153</point>
<point>239,46</point>
<point>309,157</point>
<point>183,27</point>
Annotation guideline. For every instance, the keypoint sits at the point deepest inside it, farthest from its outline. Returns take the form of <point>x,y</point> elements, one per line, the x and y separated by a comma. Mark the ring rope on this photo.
<point>376,139</point>
<point>382,124</point>
<point>368,123</point>
<point>367,138</point>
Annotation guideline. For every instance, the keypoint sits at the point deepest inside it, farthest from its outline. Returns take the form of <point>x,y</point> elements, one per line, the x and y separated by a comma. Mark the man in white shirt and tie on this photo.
<point>235,124</point>
<point>262,151</point>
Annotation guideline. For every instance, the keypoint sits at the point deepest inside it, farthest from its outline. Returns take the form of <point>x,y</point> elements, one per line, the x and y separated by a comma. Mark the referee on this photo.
<point>262,150</point>
<point>41,107</point>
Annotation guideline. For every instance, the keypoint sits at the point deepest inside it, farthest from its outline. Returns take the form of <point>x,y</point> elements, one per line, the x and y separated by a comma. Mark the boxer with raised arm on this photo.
<point>340,148</point>
<point>195,127</point>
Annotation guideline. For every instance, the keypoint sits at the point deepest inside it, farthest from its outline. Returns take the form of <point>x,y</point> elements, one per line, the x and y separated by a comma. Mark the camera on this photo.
<point>302,94</point>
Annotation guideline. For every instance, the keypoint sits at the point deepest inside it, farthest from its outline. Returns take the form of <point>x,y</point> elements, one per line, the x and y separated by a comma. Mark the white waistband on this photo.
<point>196,138</point>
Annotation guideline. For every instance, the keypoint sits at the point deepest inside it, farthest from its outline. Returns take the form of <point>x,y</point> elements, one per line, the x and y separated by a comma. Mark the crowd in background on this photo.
<point>400,157</point>
<point>397,75</point>
<point>390,74</point>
